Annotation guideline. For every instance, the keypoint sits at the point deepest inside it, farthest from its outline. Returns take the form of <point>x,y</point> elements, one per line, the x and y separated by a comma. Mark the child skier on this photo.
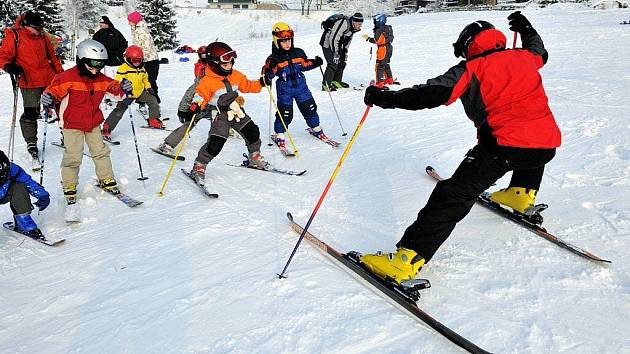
<point>81,90</point>
<point>183,112</point>
<point>502,93</point>
<point>133,70</point>
<point>288,63</point>
<point>15,188</point>
<point>218,87</point>
<point>383,38</point>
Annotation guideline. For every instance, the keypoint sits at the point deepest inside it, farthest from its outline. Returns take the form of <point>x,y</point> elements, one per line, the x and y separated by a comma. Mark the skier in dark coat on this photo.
<point>113,40</point>
<point>502,93</point>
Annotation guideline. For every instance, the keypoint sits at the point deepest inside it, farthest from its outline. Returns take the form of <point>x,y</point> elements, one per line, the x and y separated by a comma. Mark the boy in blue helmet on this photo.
<point>383,38</point>
<point>288,63</point>
<point>15,187</point>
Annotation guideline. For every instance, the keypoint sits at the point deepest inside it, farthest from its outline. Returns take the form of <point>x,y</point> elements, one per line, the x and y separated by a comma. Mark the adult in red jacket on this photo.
<point>503,95</point>
<point>27,52</point>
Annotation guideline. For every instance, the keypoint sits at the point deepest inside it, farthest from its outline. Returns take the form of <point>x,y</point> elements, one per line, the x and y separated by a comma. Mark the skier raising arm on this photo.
<point>219,88</point>
<point>503,95</point>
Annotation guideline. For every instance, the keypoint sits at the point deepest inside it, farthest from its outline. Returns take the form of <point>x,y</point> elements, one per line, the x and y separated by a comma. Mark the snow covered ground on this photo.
<point>184,274</point>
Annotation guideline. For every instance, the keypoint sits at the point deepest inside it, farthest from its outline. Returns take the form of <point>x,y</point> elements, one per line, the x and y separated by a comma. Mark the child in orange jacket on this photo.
<point>219,88</point>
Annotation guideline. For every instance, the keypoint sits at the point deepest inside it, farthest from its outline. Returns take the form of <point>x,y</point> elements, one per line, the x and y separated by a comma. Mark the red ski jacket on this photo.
<point>80,97</point>
<point>33,52</point>
<point>502,93</point>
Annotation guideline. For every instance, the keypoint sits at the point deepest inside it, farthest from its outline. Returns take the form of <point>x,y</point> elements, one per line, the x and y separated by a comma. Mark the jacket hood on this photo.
<point>107,21</point>
<point>485,41</point>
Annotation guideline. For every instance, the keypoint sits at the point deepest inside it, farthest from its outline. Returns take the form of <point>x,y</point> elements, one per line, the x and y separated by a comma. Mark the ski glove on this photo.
<point>42,202</point>
<point>185,116</point>
<point>13,69</point>
<point>264,80</point>
<point>126,86</point>
<point>336,58</point>
<point>47,100</point>
<point>519,23</point>
<point>381,97</point>
<point>317,62</point>
<point>151,91</point>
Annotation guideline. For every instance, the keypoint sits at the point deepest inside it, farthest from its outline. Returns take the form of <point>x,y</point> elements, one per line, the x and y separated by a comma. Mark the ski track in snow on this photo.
<point>183,273</point>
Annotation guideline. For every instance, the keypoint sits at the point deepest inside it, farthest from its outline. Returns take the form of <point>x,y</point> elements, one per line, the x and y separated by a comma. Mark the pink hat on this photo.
<point>134,17</point>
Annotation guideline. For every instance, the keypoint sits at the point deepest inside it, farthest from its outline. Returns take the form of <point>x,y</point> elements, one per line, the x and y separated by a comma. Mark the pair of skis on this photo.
<point>72,213</point>
<point>288,153</point>
<point>405,297</point>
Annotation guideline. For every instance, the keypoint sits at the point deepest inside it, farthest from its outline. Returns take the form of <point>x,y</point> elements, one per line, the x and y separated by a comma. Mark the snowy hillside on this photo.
<point>185,274</point>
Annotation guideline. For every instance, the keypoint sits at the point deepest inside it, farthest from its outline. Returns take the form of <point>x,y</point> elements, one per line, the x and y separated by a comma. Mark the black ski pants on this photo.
<point>18,198</point>
<point>153,69</point>
<point>334,72</point>
<point>452,199</point>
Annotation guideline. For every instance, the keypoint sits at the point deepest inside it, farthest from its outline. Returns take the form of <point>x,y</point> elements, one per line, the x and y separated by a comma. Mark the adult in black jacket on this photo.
<point>113,40</point>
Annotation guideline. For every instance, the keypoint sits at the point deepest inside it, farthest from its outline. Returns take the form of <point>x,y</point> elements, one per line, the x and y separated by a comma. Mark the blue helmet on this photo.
<point>380,20</point>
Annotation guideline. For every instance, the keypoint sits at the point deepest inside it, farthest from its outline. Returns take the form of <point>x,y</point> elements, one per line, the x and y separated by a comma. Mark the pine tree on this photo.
<point>49,10</point>
<point>8,13</point>
<point>160,18</point>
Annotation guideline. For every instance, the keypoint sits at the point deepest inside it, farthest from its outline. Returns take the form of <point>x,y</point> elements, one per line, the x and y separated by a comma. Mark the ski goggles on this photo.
<point>95,63</point>
<point>227,57</point>
<point>285,34</point>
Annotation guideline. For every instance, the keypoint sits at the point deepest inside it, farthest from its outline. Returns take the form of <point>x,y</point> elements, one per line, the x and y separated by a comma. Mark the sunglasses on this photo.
<point>228,57</point>
<point>286,34</point>
<point>95,63</point>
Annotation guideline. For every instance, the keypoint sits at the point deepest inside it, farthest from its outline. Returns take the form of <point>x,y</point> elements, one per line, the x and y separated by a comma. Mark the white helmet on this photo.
<point>91,49</point>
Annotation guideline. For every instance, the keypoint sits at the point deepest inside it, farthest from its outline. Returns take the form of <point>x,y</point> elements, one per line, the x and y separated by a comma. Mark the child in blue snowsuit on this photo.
<point>16,186</point>
<point>288,64</point>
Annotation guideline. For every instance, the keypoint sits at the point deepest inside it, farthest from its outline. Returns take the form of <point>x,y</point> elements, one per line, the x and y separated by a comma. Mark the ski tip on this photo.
<point>289,216</point>
<point>429,169</point>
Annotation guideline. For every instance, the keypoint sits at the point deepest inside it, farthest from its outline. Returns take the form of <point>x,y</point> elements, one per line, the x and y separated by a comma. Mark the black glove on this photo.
<point>13,69</point>
<point>317,62</point>
<point>126,86</point>
<point>185,116</point>
<point>519,23</point>
<point>47,100</point>
<point>264,81</point>
<point>378,96</point>
<point>224,101</point>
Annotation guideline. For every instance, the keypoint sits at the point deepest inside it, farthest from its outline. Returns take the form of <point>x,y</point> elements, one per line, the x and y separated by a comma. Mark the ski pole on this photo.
<point>269,130</point>
<point>286,129</point>
<point>514,41</point>
<point>135,141</point>
<point>330,182</point>
<point>43,156</point>
<point>14,82</point>
<point>333,103</point>
<point>179,150</point>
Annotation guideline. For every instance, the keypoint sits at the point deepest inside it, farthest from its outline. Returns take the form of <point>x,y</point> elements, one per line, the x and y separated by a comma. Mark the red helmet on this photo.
<point>134,56</point>
<point>218,53</point>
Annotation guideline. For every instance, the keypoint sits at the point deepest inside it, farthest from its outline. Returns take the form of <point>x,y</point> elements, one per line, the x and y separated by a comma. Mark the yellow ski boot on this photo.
<point>400,266</point>
<point>518,198</point>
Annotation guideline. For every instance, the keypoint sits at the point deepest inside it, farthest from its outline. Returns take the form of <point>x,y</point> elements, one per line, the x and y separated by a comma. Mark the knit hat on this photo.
<point>134,17</point>
<point>31,19</point>
<point>106,21</point>
<point>357,17</point>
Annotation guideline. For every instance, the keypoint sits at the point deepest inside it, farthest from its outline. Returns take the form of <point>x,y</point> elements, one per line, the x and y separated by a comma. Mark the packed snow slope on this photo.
<point>185,274</point>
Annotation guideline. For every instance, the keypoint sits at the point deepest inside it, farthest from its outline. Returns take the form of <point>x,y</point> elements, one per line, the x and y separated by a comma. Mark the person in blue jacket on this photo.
<point>288,64</point>
<point>16,187</point>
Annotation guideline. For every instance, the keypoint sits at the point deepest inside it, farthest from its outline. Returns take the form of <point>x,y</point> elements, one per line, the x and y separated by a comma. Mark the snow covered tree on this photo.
<point>8,13</point>
<point>160,17</point>
<point>88,13</point>
<point>49,10</point>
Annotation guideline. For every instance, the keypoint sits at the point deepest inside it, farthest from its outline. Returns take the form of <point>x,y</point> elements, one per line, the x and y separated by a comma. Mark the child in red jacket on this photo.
<point>81,90</point>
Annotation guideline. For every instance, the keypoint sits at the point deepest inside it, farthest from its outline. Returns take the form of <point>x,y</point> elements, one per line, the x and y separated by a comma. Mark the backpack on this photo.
<point>328,24</point>
<point>330,21</point>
